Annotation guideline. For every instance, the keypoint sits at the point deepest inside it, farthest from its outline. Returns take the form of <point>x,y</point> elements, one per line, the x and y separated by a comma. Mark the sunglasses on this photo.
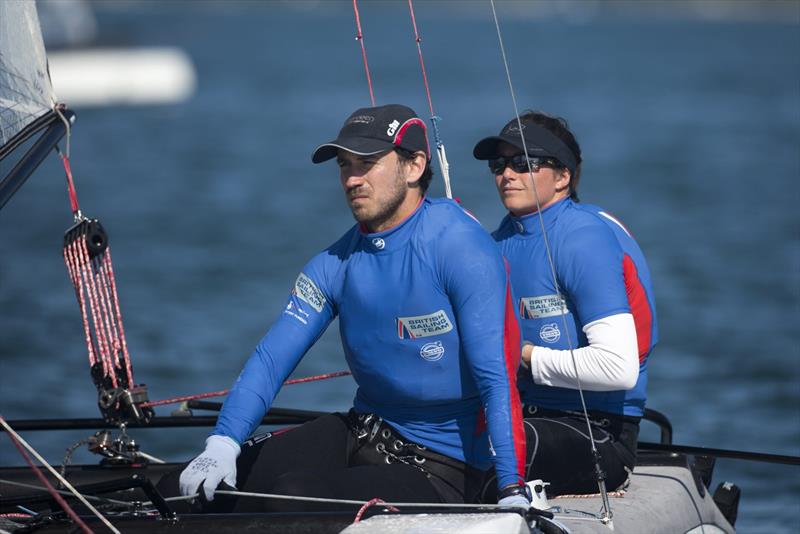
<point>520,164</point>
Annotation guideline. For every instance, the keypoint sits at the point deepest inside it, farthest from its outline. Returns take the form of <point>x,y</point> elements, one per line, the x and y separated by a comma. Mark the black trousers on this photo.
<point>344,456</point>
<point>559,452</point>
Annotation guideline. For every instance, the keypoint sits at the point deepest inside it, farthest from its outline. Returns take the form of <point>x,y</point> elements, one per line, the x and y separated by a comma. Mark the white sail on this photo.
<point>25,89</point>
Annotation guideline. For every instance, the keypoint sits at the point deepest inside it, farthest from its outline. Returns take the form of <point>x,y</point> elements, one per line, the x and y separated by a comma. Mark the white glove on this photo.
<point>515,500</point>
<point>216,464</point>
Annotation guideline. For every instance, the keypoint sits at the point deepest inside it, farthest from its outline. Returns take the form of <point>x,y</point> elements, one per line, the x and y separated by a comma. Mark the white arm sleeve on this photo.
<point>609,363</point>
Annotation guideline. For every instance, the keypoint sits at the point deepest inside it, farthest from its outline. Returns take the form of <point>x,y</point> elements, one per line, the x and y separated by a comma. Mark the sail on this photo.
<point>26,93</point>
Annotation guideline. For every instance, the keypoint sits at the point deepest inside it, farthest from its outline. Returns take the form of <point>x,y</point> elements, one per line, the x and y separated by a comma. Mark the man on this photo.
<point>586,306</point>
<point>429,333</point>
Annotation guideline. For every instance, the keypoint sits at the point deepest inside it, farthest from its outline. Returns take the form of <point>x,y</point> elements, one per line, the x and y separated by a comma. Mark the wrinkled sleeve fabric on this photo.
<point>476,280</point>
<point>307,314</point>
<point>609,363</point>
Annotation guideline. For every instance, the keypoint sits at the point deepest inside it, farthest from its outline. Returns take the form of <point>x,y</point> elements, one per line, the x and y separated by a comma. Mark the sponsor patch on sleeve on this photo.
<point>541,307</point>
<point>308,291</point>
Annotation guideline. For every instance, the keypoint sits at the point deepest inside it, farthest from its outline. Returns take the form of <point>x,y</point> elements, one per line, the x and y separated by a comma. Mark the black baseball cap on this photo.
<point>370,131</point>
<point>539,141</point>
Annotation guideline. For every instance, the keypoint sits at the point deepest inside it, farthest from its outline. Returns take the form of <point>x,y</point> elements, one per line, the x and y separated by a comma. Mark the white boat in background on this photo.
<point>90,74</point>
<point>122,76</point>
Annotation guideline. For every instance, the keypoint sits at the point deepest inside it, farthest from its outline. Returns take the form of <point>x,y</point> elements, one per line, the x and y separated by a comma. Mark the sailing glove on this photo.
<point>216,464</point>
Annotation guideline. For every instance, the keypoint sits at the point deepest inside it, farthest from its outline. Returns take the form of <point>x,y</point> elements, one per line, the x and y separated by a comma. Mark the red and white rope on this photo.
<point>223,392</point>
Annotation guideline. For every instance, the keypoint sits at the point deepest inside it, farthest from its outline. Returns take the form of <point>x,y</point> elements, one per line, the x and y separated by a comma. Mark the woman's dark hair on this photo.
<point>559,127</point>
<point>427,175</point>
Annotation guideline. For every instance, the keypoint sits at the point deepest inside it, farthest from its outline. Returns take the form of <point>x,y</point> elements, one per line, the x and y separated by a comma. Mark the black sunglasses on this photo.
<point>518,163</point>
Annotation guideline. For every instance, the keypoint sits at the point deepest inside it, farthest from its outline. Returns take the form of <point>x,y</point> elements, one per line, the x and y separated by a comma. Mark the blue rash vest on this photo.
<point>601,271</point>
<point>429,332</point>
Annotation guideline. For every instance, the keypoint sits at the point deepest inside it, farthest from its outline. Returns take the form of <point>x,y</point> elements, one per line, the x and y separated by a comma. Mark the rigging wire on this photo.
<point>360,39</point>
<point>73,196</point>
<point>607,513</point>
<point>103,500</point>
<point>221,393</point>
<point>444,166</point>
<point>19,442</point>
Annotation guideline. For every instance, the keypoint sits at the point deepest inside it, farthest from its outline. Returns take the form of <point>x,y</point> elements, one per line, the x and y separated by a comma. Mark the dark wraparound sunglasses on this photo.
<point>518,163</point>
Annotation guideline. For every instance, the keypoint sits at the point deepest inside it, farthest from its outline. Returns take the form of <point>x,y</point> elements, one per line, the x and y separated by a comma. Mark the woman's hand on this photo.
<point>527,353</point>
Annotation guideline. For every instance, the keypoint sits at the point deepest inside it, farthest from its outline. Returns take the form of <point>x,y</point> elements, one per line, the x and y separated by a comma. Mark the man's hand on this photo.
<point>216,464</point>
<point>515,495</point>
<point>527,353</point>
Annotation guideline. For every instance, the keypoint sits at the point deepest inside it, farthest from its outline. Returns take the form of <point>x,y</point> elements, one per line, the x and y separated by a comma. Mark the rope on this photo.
<point>176,400</point>
<point>20,443</point>
<point>607,514</point>
<point>63,492</point>
<point>393,506</point>
<point>444,166</point>
<point>96,292</point>
<point>368,504</point>
<point>343,501</point>
<point>360,39</point>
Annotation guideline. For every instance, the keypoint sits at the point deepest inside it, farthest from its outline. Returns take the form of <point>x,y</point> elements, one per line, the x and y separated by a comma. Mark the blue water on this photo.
<point>690,132</point>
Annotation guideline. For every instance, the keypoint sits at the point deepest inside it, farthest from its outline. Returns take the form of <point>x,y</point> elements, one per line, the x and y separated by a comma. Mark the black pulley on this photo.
<point>92,232</point>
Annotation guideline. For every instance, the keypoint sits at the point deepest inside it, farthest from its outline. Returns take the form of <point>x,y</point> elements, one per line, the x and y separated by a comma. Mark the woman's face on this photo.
<point>519,190</point>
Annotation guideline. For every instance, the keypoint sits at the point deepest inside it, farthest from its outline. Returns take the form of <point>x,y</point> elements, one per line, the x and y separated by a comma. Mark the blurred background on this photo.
<point>198,165</point>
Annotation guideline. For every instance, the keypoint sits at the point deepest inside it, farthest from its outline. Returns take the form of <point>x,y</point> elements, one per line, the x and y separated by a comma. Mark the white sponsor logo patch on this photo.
<point>432,351</point>
<point>541,307</point>
<point>379,243</point>
<point>550,333</point>
<point>432,324</point>
<point>308,291</point>
<point>296,311</point>
<point>392,127</point>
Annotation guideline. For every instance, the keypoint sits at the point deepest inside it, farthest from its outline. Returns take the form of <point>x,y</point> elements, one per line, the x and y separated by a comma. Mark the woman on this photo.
<point>587,314</point>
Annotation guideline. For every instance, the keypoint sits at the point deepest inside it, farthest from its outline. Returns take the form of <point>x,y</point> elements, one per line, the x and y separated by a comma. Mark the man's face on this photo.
<point>516,189</point>
<point>375,187</point>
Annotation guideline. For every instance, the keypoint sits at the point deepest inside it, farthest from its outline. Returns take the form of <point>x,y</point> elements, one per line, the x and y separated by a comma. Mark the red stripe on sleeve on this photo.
<point>511,350</point>
<point>640,307</point>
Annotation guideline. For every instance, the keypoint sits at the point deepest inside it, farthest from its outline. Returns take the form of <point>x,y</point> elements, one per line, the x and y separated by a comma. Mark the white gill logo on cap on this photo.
<point>550,333</point>
<point>378,243</point>
<point>392,127</point>
<point>432,351</point>
<point>361,119</point>
<point>513,128</point>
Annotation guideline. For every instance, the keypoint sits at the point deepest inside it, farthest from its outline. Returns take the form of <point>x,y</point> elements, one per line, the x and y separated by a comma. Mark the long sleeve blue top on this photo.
<point>428,329</point>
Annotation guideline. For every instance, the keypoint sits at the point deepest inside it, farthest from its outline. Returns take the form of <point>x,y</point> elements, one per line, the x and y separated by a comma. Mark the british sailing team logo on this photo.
<point>432,324</point>
<point>541,307</point>
<point>307,290</point>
